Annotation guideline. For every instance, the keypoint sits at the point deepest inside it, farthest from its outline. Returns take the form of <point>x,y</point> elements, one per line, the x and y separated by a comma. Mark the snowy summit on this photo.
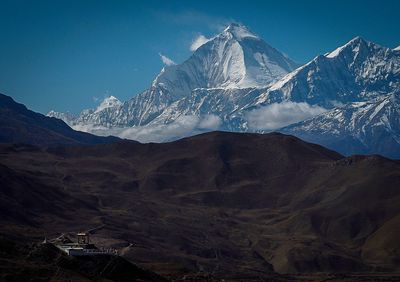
<point>239,31</point>
<point>108,102</point>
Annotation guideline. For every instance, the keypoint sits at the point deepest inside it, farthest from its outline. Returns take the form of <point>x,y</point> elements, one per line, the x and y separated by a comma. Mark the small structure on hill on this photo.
<point>82,247</point>
<point>83,238</point>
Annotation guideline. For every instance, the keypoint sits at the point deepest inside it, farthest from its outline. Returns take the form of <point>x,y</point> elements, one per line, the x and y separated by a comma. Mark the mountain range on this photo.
<point>237,82</point>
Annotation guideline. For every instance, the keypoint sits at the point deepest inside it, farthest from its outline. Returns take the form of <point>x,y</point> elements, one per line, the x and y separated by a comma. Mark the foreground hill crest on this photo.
<point>235,205</point>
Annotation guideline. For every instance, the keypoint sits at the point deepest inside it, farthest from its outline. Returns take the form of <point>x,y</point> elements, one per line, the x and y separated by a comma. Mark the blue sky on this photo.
<point>68,55</point>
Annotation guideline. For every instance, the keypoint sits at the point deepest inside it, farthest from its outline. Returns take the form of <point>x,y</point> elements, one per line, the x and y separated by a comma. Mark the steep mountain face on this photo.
<point>371,127</point>
<point>20,125</point>
<point>244,206</point>
<point>237,58</point>
<point>357,71</point>
<point>228,104</point>
<point>109,102</point>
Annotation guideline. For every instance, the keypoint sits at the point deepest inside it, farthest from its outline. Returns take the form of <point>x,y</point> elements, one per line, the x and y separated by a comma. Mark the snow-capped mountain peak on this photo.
<point>239,31</point>
<point>397,48</point>
<point>108,102</point>
<point>357,71</point>
<point>355,45</point>
<point>66,117</point>
<point>235,58</point>
<point>241,59</point>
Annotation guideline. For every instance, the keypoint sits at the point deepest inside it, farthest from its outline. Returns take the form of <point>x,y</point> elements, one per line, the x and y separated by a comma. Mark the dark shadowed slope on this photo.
<point>231,205</point>
<point>20,125</point>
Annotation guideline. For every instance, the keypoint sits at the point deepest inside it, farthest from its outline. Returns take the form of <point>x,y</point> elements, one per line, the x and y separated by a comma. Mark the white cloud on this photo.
<point>97,130</point>
<point>167,61</point>
<point>198,41</point>
<point>278,115</point>
<point>336,104</point>
<point>182,127</point>
<point>211,122</point>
